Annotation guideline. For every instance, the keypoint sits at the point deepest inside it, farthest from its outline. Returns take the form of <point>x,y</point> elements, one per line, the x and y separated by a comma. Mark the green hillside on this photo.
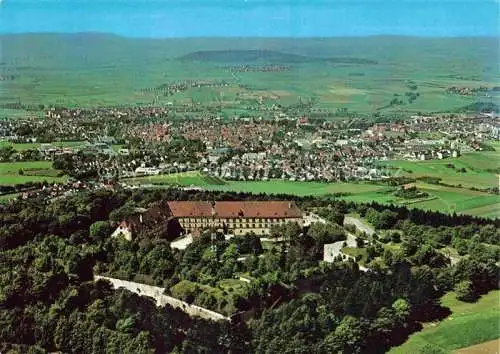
<point>267,56</point>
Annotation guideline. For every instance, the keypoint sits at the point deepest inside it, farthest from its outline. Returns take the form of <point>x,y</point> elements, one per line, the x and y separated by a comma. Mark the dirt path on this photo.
<point>491,347</point>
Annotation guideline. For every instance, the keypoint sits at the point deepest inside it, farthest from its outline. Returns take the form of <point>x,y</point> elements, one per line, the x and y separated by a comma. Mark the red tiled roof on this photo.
<point>235,209</point>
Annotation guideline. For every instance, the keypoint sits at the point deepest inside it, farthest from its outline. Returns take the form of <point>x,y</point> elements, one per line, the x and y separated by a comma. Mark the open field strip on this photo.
<point>190,178</point>
<point>19,146</point>
<point>196,178</point>
<point>33,146</point>
<point>298,188</point>
<point>41,171</point>
<point>459,200</point>
<point>487,211</point>
<point>478,169</point>
<point>467,325</point>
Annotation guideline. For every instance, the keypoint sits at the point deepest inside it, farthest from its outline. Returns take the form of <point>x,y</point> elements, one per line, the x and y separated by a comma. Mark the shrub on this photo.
<point>465,291</point>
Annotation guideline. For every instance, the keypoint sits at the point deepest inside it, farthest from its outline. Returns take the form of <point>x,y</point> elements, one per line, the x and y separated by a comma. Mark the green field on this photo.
<point>467,325</point>
<point>19,147</point>
<point>441,198</point>
<point>459,200</point>
<point>32,146</point>
<point>195,178</point>
<point>191,178</point>
<point>356,252</point>
<point>480,173</point>
<point>476,165</point>
<point>444,199</point>
<point>116,70</point>
<point>299,188</point>
<point>34,171</point>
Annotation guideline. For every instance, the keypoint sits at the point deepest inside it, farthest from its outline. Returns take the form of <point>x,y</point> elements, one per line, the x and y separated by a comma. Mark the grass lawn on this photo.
<point>35,171</point>
<point>467,325</point>
<point>19,147</point>
<point>384,195</point>
<point>194,178</point>
<point>355,252</point>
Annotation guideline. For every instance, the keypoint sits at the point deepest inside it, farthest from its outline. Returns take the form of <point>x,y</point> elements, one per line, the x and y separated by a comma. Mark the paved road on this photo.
<point>182,243</point>
<point>276,239</point>
<point>360,225</point>
<point>332,250</point>
<point>242,258</point>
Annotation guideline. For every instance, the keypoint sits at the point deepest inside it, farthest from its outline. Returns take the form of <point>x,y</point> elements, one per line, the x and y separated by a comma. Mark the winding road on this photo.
<point>360,225</point>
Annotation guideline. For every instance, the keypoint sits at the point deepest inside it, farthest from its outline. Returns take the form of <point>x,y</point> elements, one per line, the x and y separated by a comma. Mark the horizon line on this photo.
<point>249,36</point>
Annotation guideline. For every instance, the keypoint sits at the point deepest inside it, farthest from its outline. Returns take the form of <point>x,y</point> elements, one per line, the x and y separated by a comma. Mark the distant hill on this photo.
<point>268,56</point>
<point>96,69</point>
<point>95,49</point>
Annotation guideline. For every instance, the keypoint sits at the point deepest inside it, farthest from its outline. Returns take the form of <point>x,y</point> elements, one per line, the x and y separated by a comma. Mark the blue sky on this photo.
<point>266,18</point>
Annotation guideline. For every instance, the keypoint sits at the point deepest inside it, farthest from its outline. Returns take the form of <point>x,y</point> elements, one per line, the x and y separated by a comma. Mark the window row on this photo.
<point>237,225</point>
<point>232,221</point>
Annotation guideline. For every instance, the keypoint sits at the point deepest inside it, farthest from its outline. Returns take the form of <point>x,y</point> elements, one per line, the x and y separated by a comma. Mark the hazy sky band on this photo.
<point>271,18</point>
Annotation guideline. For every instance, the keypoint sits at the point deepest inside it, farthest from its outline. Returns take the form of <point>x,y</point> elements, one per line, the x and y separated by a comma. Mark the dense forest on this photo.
<point>52,249</point>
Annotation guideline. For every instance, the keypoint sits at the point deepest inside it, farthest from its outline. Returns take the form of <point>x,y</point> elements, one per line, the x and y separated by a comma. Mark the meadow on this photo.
<point>468,324</point>
<point>459,200</point>
<point>358,74</point>
<point>479,167</point>
<point>33,171</point>
<point>197,179</point>
<point>59,144</point>
<point>191,178</point>
<point>19,146</point>
<point>298,188</point>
